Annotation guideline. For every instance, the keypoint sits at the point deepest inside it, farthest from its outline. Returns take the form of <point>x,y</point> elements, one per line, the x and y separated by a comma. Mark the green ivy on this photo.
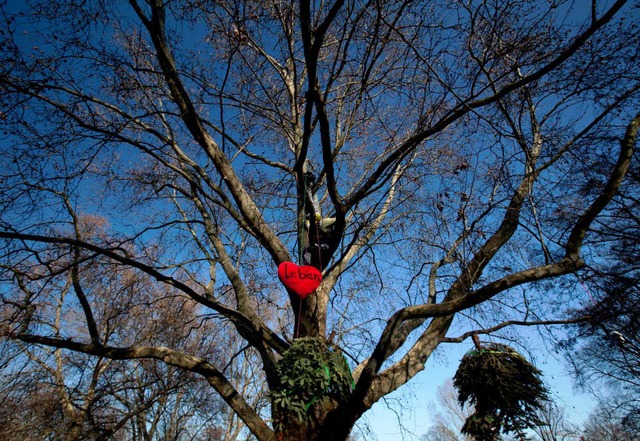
<point>309,371</point>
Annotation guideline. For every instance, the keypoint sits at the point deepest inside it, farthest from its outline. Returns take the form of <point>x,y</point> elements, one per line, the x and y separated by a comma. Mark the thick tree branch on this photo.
<point>191,118</point>
<point>442,313</point>
<point>188,362</point>
<point>258,330</point>
<point>465,107</point>
<point>611,188</point>
<point>313,39</point>
<point>86,307</point>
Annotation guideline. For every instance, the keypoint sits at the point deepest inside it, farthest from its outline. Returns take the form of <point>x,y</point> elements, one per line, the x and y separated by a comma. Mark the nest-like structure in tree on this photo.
<point>309,371</point>
<point>504,388</point>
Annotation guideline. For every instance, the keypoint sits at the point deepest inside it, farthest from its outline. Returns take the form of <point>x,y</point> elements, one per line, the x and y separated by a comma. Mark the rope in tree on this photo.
<point>302,280</point>
<point>301,233</point>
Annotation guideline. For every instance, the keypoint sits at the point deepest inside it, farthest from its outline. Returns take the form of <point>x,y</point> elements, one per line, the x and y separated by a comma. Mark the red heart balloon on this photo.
<point>303,280</point>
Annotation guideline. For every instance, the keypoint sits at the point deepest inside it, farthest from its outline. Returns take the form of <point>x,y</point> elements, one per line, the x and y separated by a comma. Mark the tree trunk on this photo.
<point>290,428</point>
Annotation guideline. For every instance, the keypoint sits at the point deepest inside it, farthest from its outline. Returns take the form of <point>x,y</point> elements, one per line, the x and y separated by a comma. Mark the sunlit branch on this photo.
<point>184,361</point>
<point>442,313</point>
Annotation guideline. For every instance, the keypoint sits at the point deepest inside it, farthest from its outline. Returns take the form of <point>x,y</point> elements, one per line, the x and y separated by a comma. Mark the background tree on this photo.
<point>555,425</point>
<point>53,393</point>
<point>425,156</point>
<point>606,423</point>
<point>604,351</point>
<point>448,416</point>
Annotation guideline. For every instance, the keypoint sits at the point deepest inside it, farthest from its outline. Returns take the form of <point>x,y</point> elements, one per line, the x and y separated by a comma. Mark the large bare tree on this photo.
<point>428,157</point>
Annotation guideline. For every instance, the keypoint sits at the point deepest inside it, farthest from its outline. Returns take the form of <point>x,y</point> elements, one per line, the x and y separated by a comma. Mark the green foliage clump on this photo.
<point>504,388</point>
<point>309,371</point>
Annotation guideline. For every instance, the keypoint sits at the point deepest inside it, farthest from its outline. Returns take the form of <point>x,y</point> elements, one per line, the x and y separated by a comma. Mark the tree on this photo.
<point>605,349</point>
<point>448,416</point>
<point>605,424</point>
<point>555,426</point>
<point>69,396</point>
<point>422,155</point>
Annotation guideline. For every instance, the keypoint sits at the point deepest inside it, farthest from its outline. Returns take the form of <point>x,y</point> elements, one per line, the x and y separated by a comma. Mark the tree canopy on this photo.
<point>439,162</point>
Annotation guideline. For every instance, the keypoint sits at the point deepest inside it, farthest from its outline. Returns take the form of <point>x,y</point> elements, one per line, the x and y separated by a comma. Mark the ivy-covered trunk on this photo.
<point>311,428</point>
<point>314,378</point>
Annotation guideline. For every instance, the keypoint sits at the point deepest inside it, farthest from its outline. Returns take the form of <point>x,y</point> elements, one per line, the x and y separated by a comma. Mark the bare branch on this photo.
<point>467,106</point>
<point>624,159</point>
<point>508,323</point>
<point>193,122</point>
<point>174,358</point>
<point>239,319</point>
